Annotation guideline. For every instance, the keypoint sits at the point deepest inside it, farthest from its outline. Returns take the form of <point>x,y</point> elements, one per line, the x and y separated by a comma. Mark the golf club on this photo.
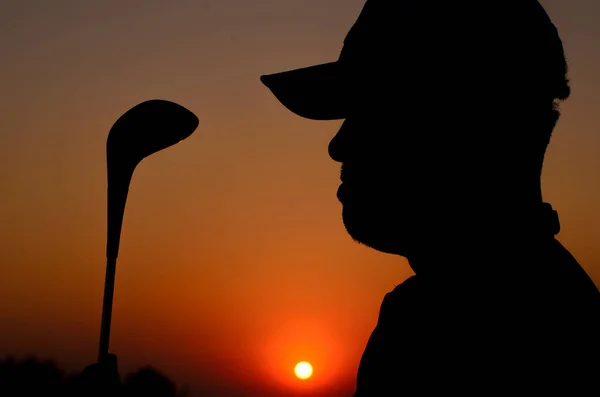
<point>145,129</point>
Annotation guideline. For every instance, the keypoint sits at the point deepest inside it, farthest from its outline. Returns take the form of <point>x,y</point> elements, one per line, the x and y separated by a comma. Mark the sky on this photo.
<point>234,264</point>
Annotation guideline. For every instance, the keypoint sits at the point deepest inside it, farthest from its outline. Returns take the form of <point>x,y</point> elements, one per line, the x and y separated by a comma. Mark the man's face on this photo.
<point>389,180</point>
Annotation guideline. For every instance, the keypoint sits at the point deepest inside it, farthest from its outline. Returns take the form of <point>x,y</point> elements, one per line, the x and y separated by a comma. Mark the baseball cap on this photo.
<point>516,36</point>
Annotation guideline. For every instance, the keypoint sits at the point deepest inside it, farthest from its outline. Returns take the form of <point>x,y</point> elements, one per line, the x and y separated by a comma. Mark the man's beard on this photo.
<point>370,226</point>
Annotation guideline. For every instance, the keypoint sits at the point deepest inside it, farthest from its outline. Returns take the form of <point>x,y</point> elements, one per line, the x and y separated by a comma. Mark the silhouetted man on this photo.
<point>449,107</point>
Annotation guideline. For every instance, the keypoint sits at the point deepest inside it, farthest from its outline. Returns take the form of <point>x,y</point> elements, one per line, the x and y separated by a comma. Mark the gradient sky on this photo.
<point>234,263</point>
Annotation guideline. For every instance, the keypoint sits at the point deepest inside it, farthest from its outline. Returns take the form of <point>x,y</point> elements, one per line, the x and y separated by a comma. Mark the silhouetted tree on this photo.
<point>30,377</point>
<point>148,381</point>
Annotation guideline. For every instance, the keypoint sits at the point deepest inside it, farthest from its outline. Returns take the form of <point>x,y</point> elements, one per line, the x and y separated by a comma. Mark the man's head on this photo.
<point>448,109</point>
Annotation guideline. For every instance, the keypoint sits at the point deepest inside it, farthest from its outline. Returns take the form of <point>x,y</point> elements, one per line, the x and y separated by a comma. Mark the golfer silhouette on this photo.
<point>448,109</point>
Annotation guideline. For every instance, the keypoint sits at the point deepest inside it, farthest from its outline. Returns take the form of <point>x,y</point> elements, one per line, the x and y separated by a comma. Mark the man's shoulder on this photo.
<point>567,275</point>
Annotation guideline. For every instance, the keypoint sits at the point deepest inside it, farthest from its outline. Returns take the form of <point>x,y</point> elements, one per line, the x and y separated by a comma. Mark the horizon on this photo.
<point>229,272</point>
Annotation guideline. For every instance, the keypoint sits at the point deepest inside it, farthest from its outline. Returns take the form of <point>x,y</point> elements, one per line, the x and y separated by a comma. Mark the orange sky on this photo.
<point>234,264</point>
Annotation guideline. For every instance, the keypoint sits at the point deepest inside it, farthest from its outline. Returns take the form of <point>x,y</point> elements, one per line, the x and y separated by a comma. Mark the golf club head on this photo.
<point>145,129</point>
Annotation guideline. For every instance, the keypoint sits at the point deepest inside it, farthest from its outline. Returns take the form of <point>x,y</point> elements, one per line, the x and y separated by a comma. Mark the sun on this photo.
<point>303,370</point>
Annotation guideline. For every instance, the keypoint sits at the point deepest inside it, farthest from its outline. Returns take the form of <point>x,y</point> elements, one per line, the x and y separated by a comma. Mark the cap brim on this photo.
<point>316,92</point>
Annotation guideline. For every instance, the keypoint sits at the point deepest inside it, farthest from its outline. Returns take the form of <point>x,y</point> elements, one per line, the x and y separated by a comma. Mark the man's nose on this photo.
<point>338,146</point>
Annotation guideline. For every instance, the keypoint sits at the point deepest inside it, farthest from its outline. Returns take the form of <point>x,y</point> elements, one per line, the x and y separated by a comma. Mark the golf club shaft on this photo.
<point>109,287</point>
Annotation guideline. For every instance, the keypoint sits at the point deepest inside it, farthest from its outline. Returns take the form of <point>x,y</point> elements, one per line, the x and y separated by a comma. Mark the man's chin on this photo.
<point>374,232</point>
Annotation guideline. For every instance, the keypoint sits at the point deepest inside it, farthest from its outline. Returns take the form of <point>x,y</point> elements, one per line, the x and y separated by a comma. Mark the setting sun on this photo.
<point>303,370</point>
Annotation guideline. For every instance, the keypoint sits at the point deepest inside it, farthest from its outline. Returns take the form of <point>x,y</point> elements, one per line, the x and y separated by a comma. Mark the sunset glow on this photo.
<point>303,370</point>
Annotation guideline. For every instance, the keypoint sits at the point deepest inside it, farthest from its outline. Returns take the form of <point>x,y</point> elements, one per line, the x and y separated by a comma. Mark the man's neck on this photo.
<point>487,245</point>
